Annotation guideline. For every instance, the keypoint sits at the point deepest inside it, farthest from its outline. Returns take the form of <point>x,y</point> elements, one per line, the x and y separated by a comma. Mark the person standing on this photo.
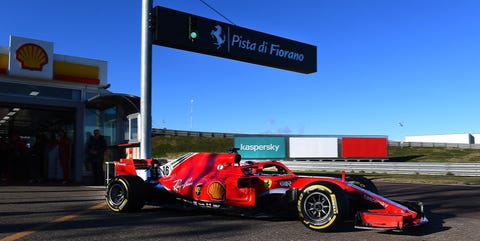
<point>53,169</point>
<point>96,149</point>
<point>19,160</point>
<point>64,155</point>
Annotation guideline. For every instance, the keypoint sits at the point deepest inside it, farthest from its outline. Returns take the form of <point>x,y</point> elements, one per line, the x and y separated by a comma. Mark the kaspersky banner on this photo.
<point>261,147</point>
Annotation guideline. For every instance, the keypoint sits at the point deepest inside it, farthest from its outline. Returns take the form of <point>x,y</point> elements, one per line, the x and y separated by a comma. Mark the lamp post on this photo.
<point>146,81</point>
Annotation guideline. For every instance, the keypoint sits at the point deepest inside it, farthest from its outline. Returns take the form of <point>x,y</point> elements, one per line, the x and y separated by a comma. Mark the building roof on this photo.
<point>130,103</point>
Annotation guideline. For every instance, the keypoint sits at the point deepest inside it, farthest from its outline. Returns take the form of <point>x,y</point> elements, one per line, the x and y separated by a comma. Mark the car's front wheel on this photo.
<point>322,206</point>
<point>126,193</point>
<point>363,182</point>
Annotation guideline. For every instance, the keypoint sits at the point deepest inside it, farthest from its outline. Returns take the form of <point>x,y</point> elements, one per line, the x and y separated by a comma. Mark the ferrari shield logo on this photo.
<point>267,183</point>
<point>198,189</point>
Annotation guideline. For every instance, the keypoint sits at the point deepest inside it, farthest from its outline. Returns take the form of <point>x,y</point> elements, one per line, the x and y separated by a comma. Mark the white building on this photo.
<point>465,138</point>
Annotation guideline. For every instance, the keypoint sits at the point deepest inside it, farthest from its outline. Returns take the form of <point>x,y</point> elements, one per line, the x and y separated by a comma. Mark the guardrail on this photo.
<point>424,168</point>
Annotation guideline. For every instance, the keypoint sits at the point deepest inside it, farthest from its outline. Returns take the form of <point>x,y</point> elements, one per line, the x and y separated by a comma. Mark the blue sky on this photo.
<point>380,63</point>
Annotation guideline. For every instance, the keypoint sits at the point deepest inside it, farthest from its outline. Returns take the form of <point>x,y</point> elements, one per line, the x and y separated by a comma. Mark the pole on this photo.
<point>146,81</point>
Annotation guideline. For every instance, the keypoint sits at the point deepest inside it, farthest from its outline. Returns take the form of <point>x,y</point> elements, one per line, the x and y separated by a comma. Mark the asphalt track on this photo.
<point>78,213</point>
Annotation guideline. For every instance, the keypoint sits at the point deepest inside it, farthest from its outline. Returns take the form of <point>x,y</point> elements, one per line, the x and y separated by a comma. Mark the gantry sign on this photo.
<point>202,35</point>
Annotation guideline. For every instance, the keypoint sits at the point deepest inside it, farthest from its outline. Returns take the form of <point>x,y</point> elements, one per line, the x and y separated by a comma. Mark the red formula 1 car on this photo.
<point>219,181</point>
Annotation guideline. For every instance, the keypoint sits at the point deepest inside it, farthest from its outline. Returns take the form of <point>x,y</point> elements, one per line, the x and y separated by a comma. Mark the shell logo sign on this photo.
<point>35,59</point>
<point>32,57</point>
<point>216,191</point>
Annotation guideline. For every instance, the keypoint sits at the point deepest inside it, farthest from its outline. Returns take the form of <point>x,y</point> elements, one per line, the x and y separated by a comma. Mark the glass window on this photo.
<point>134,129</point>
<point>105,121</point>
<point>126,130</point>
<point>89,95</point>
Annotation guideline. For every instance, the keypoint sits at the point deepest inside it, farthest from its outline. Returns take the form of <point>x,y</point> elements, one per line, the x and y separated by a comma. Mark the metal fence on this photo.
<point>423,168</point>
<point>168,132</point>
<point>433,144</point>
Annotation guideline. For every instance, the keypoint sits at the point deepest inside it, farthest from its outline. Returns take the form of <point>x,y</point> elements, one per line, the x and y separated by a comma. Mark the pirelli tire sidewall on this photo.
<point>126,193</point>
<point>322,206</point>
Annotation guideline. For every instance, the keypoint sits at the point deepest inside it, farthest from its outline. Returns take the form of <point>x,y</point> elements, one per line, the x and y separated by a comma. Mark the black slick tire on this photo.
<point>322,206</point>
<point>126,193</point>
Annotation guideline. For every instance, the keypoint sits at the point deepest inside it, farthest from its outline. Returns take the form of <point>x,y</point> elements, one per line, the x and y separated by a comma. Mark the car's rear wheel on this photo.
<point>126,193</point>
<point>322,206</point>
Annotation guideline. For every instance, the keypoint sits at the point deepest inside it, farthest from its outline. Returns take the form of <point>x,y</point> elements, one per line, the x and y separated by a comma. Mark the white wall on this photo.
<point>304,147</point>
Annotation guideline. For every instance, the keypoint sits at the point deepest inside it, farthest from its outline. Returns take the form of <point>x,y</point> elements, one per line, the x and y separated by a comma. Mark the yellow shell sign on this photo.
<point>216,191</point>
<point>35,59</point>
<point>32,57</point>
